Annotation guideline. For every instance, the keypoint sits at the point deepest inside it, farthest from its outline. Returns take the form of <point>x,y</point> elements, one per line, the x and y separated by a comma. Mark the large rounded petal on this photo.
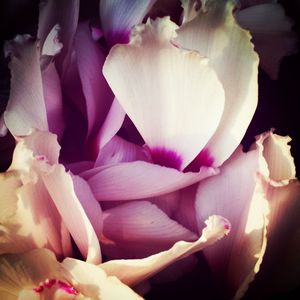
<point>174,99</point>
<point>139,179</point>
<point>134,271</point>
<point>216,35</point>
<point>237,193</point>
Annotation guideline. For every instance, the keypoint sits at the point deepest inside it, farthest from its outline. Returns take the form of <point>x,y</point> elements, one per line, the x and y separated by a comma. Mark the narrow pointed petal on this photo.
<point>177,92</point>
<point>118,17</point>
<point>138,180</point>
<point>90,205</point>
<point>216,35</point>
<point>138,229</point>
<point>111,125</point>
<point>236,193</point>
<point>90,59</point>
<point>118,150</point>
<point>53,100</point>
<point>65,14</point>
<point>134,271</point>
<point>60,187</point>
<point>271,29</point>
<point>93,282</point>
<point>26,107</point>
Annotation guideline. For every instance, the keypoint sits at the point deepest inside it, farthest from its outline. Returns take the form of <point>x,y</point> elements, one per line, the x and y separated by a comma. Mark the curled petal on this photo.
<point>216,35</point>
<point>279,270</point>
<point>277,153</point>
<point>93,282</point>
<point>134,271</point>
<point>173,94</point>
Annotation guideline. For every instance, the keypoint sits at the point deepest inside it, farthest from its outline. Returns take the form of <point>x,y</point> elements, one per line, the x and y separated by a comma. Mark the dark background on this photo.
<point>278,108</point>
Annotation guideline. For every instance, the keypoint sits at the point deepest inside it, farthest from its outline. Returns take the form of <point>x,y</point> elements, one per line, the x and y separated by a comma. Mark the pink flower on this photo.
<point>149,117</point>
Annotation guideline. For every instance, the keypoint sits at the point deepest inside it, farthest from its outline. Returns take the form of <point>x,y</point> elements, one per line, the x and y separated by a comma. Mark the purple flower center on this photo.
<point>166,158</point>
<point>204,158</point>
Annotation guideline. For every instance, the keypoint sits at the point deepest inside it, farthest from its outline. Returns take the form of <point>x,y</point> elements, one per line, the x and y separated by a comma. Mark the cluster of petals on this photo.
<point>127,152</point>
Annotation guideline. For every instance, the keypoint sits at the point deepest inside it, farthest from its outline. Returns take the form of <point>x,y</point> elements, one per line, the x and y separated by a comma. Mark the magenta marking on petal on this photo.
<point>49,283</point>
<point>204,158</point>
<point>166,158</point>
<point>67,288</point>
<point>39,289</point>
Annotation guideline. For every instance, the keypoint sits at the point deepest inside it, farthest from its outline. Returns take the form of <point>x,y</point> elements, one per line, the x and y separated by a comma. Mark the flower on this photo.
<point>149,151</point>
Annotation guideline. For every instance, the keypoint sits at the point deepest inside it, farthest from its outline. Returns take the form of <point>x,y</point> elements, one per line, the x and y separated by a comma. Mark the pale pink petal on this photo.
<point>93,282</point>
<point>271,29</point>
<point>65,14</point>
<point>43,145</point>
<point>111,124</point>
<point>236,193</point>
<point>118,17</point>
<point>277,153</point>
<point>52,45</point>
<point>138,229</point>
<point>35,221</point>
<point>53,100</point>
<point>26,108</point>
<point>119,150</point>
<point>26,271</point>
<point>90,59</point>
<point>137,180</point>
<point>216,35</point>
<point>90,205</point>
<point>280,268</point>
<point>134,271</point>
<point>61,189</point>
<point>172,94</point>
